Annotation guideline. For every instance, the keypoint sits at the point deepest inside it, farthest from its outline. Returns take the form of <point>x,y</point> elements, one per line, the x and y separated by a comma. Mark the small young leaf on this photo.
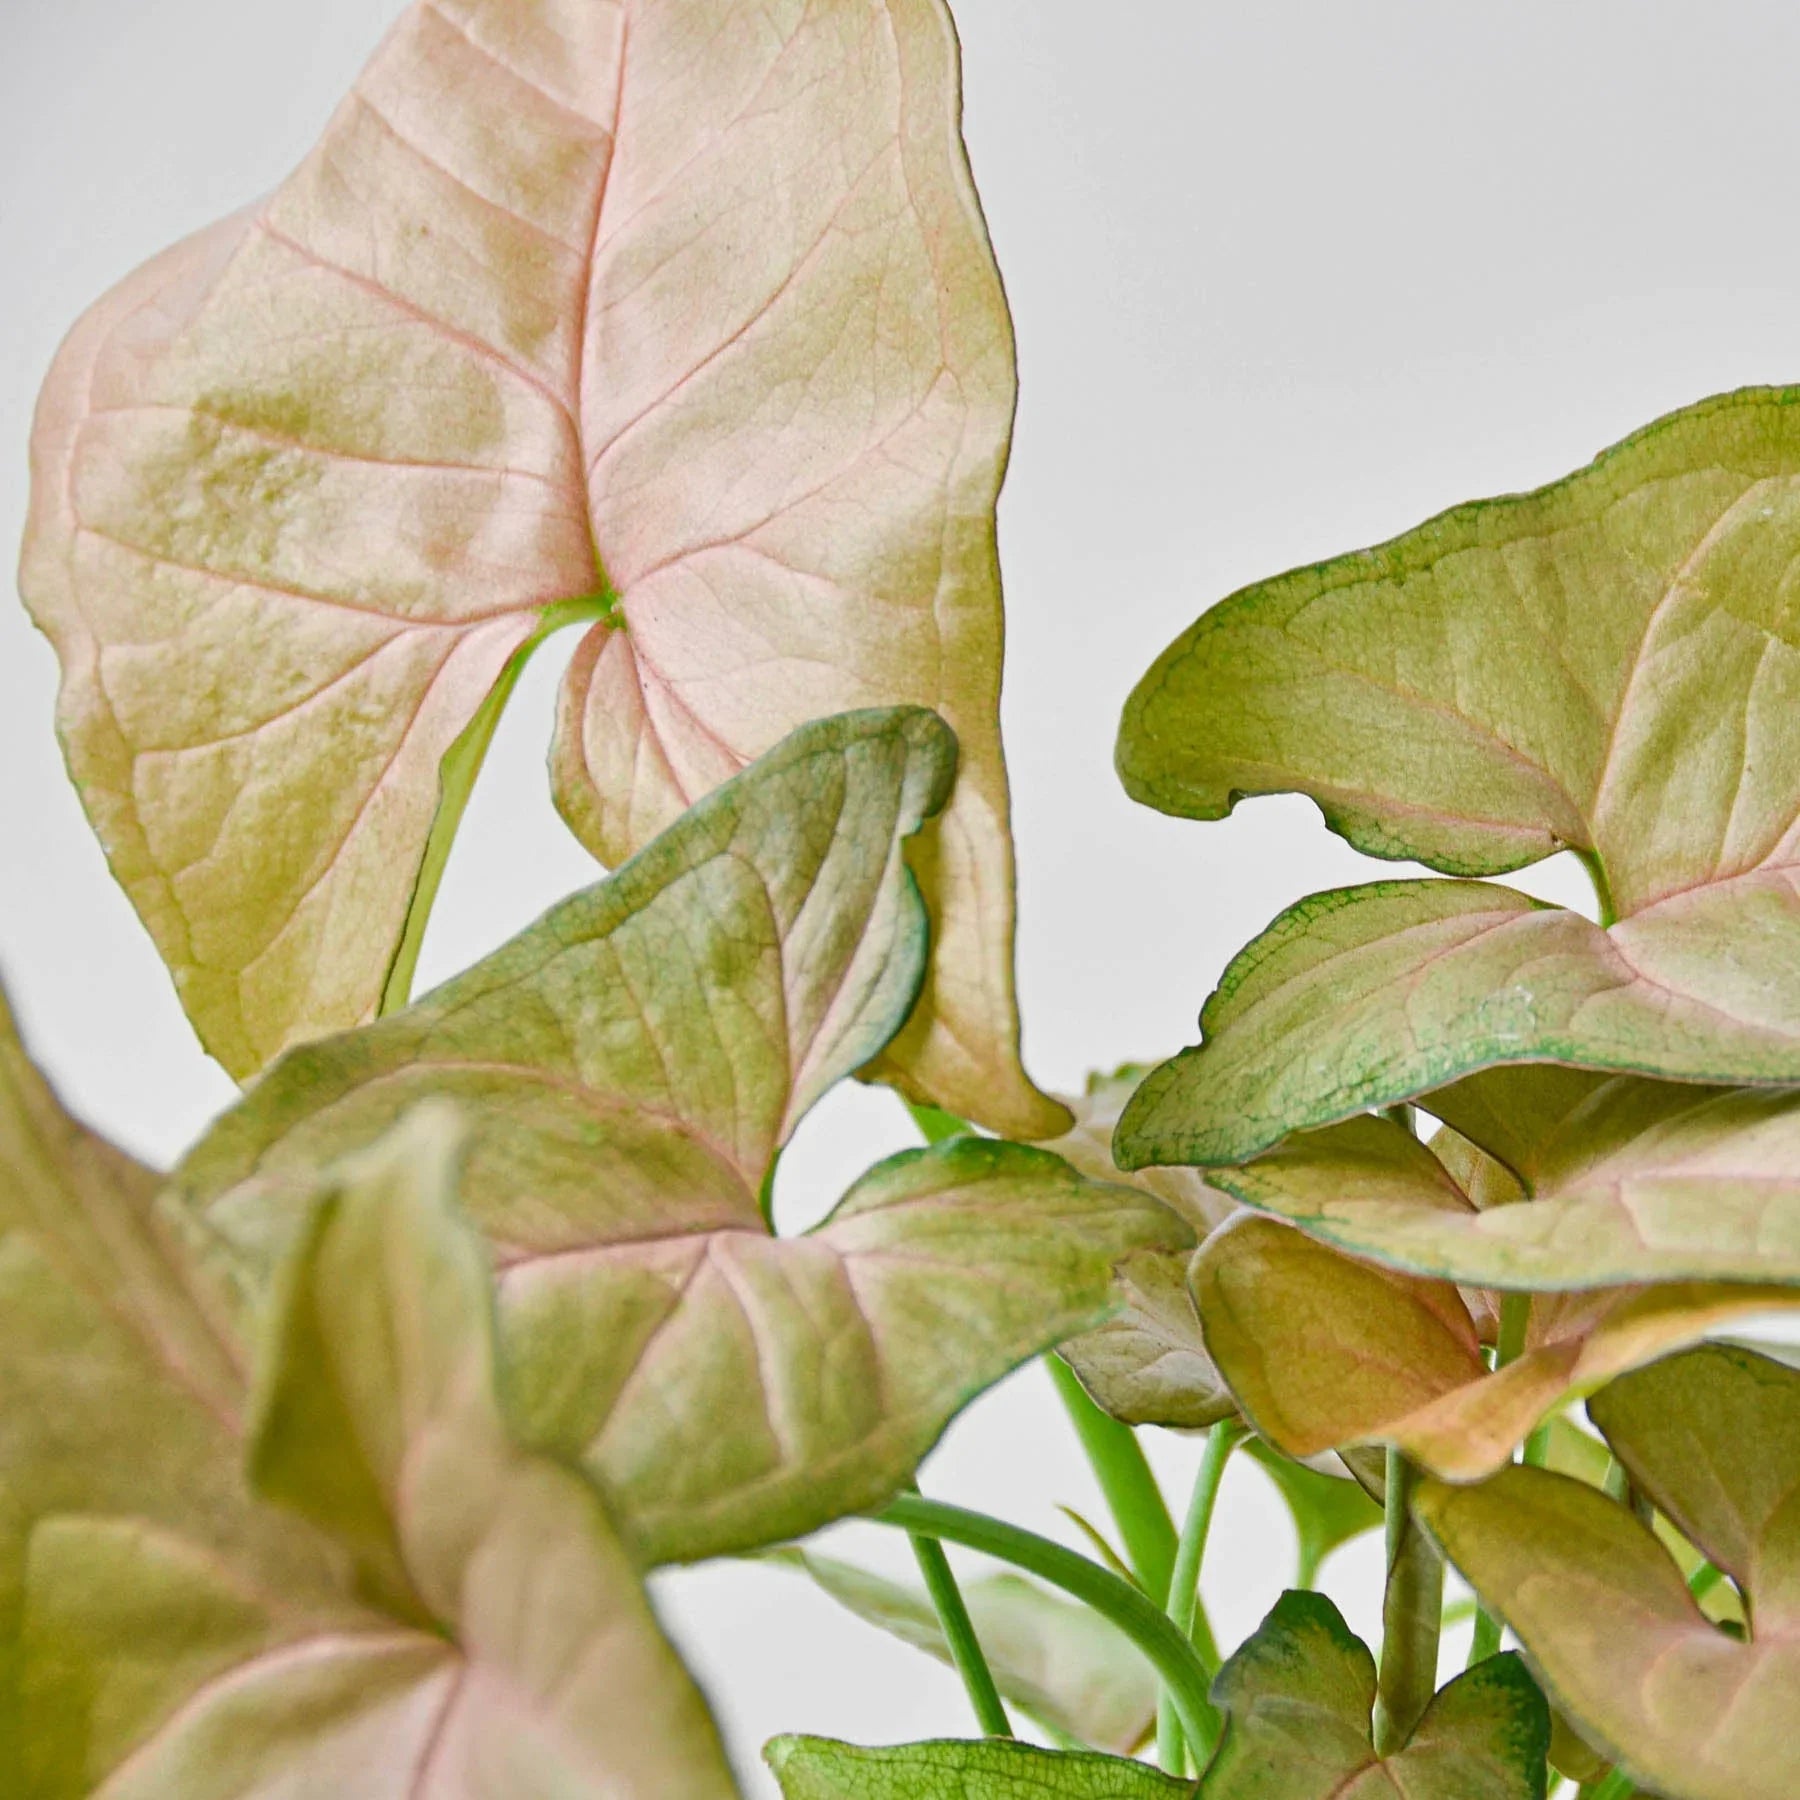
<point>1323,1351</point>
<point>1148,1366</point>
<point>1064,1664</point>
<point>1298,1696</point>
<point>680,318</point>
<point>819,1769</point>
<point>629,1068</point>
<point>399,1599</point>
<point>1328,1510</point>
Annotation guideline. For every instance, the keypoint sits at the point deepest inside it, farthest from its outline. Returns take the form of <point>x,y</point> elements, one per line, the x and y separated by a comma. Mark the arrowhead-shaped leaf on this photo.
<point>1065,1665</point>
<point>1298,1696</point>
<point>1713,1438</point>
<point>396,1597</point>
<point>819,1769</point>
<point>1623,1181</point>
<point>1369,996</point>
<point>630,1067</point>
<point>1148,1366</point>
<point>1323,1351</point>
<point>1606,665</point>
<point>676,314</point>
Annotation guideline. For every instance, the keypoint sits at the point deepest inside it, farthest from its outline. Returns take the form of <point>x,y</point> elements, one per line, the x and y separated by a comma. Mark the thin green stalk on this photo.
<point>1704,1579</point>
<point>959,1634</point>
<point>1614,1785</point>
<point>1515,1320</point>
<point>1165,1646</point>
<point>1411,1615</point>
<point>456,782</point>
<point>935,1125</point>
<point>1132,1496</point>
<point>1609,914</point>
<point>1185,1605</point>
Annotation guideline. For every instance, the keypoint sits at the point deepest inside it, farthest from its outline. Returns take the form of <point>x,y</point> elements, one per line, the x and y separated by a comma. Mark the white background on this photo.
<point>1288,277</point>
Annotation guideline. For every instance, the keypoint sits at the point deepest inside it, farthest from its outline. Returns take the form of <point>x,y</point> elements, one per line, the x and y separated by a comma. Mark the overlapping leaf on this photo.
<point>820,1769</point>
<point>1148,1366</point>
<point>631,1066</point>
<point>1712,1437</point>
<point>1322,1351</point>
<point>678,315</point>
<point>350,1582</point>
<point>1298,1696</point>
<point>1608,665</point>
<point>1620,1181</point>
<point>1065,1665</point>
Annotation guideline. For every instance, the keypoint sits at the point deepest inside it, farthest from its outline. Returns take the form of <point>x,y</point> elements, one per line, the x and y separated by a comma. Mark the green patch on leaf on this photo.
<point>1298,1698</point>
<point>819,1769</point>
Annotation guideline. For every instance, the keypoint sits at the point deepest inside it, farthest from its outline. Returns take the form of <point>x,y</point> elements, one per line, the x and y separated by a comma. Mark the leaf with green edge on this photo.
<point>1713,1437</point>
<point>1633,1181</point>
<point>1063,1664</point>
<point>1298,1697</point>
<point>1370,996</point>
<point>1148,1366</point>
<point>344,1577</point>
<point>1323,1352</point>
<point>1607,664</point>
<point>676,315</point>
<point>630,1066</point>
<point>811,1768</point>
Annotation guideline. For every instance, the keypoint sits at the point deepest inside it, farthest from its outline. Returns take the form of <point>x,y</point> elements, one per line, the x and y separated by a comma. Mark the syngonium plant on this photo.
<point>334,1459</point>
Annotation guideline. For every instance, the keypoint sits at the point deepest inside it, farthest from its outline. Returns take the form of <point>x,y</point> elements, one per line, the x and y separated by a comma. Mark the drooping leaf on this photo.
<point>678,315</point>
<point>1323,1352</point>
<point>1369,996</point>
<point>1063,1664</point>
<point>819,1769</point>
<point>629,1067</point>
<point>1690,1710</point>
<point>1630,1181</point>
<point>394,1597</point>
<point>1298,1696</point>
<point>1148,1366</point>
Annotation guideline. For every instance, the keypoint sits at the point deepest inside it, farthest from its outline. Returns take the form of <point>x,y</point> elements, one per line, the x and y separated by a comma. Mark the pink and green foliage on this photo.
<point>332,1462</point>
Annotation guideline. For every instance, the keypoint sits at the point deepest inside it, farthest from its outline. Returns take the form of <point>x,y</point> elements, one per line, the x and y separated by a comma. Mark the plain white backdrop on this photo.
<point>1288,277</point>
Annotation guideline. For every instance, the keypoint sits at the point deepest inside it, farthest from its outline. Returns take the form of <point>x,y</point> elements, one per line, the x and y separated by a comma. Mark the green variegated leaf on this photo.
<point>630,1067</point>
<point>1619,1181</point>
<point>1148,1365</point>
<point>343,1577</point>
<point>1298,1696</point>
<point>677,317</point>
<point>1323,1352</point>
<point>1369,996</point>
<point>1064,1664</point>
<point>819,1769</point>
<point>1609,665</point>
<point>1693,1712</point>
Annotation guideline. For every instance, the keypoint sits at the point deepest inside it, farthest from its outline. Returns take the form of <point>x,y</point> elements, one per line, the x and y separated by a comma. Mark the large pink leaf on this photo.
<point>679,308</point>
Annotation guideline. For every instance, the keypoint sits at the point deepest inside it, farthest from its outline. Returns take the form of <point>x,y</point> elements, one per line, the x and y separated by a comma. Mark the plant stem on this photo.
<point>1515,1320</point>
<point>959,1634</point>
<point>1146,1624</point>
<point>1704,1579</point>
<point>1590,861</point>
<point>456,782</point>
<point>1132,1496</point>
<point>1411,1615</point>
<point>1614,1785</point>
<point>1185,1606</point>
<point>935,1125</point>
